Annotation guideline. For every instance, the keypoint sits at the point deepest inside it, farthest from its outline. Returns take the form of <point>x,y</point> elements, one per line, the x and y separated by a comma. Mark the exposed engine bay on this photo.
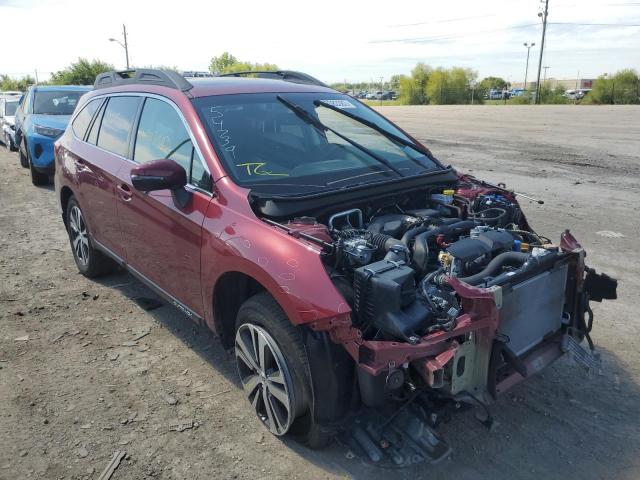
<point>453,295</point>
<point>390,262</point>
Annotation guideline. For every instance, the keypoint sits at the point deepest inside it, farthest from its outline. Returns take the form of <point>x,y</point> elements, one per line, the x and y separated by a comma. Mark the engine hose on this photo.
<point>449,206</point>
<point>513,259</point>
<point>383,242</point>
<point>421,245</point>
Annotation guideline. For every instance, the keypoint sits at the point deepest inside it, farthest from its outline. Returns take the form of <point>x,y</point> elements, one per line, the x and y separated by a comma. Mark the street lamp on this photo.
<point>526,70</point>
<point>123,45</point>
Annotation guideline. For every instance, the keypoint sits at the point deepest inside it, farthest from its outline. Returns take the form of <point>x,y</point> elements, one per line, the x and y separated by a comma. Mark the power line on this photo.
<point>447,37</point>
<point>470,34</point>
<point>597,24</point>
<point>447,20</point>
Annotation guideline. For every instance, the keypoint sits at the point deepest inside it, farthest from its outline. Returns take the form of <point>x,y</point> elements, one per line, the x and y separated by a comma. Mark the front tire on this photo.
<point>24,161</point>
<point>90,262</point>
<point>274,371</point>
<point>37,178</point>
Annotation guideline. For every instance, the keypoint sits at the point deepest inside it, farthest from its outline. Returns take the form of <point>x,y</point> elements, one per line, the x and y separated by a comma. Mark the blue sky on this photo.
<point>331,40</point>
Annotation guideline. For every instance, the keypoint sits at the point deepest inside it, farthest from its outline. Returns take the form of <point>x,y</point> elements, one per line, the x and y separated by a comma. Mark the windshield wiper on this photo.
<point>379,129</point>
<point>311,120</point>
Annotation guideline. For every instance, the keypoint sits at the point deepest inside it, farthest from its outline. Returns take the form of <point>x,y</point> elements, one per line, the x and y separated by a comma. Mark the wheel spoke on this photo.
<point>256,398</point>
<point>84,247</point>
<point>277,414</point>
<point>262,352</point>
<point>250,383</point>
<point>269,410</point>
<point>245,355</point>
<point>276,377</point>
<point>279,394</point>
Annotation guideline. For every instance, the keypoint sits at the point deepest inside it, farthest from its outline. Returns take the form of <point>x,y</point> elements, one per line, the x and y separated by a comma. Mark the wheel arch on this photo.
<point>230,291</point>
<point>65,194</point>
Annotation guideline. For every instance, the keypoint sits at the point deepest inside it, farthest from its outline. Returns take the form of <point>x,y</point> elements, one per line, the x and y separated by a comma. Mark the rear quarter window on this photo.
<point>83,119</point>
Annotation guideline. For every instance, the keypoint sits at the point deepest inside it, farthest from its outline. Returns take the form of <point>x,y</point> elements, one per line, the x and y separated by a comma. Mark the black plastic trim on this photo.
<point>143,76</point>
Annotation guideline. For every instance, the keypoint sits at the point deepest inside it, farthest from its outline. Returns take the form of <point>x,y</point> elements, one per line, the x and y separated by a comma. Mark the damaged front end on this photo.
<point>454,300</point>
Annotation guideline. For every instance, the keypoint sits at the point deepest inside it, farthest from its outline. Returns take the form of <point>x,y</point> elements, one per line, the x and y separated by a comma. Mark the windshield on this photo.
<point>10,108</point>
<point>55,102</point>
<point>268,147</point>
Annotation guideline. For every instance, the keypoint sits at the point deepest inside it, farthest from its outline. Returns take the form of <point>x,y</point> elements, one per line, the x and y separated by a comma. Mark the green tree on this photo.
<point>221,63</point>
<point>450,86</point>
<point>227,63</point>
<point>21,84</point>
<point>621,88</point>
<point>489,83</point>
<point>82,72</point>
<point>549,95</point>
<point>413,90</point>
<point>394,82</point>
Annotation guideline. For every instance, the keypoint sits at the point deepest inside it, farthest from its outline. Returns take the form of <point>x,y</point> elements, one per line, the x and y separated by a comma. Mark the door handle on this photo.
<point>125,192</point>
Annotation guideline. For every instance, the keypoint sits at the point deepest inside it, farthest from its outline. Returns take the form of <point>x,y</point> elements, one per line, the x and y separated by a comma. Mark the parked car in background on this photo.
<point>577,94</point>
<point>40,119</point>
<point>517,92</point>
<point>8,107</point>
<point>362,283</point>
<point>196,74</point>
<point>495,94</point>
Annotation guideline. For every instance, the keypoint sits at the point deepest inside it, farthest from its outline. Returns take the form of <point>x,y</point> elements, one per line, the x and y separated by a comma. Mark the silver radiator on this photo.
<point>533,309</point>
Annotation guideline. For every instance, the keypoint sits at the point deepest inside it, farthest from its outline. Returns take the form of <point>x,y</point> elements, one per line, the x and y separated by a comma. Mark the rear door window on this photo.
<point>83,119</point>
<point>115,129</point>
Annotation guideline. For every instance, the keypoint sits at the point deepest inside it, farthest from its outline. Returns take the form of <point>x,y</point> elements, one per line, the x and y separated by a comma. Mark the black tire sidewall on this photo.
<point>37,178</point>
<point>83,269</point>
<point>253,312</point>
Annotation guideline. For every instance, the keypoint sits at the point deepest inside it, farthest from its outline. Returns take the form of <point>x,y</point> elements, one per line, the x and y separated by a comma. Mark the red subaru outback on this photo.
<point>368,290</point>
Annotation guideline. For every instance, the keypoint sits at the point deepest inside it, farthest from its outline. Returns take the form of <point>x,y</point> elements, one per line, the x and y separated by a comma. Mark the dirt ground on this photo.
<point>86,371</point>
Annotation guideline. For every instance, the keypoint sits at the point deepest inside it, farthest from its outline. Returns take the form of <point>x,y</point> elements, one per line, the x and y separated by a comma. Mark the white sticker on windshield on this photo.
<point>339,103</point>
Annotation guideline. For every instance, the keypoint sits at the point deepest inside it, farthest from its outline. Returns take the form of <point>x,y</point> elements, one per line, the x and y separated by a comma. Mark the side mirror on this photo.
<point>158,175</point>
<point>162,175</point>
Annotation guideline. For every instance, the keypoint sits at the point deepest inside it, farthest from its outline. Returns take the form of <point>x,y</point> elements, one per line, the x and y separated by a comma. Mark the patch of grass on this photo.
<point>378,103</point>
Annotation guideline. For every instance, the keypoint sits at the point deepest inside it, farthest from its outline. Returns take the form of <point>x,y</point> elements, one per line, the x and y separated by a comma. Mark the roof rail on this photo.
<point>143,76</point>
<point>286,75</point>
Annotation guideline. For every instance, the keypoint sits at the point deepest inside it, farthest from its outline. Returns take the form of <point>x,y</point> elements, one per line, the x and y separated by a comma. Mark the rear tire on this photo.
<point>90,262</point>
<point>280,373</point>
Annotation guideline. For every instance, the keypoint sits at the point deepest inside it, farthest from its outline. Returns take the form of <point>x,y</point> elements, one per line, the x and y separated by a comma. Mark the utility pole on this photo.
<point>526,70</point>
<point>544,31</point>
<point>545,74</point>
<point>126,45</point>
<point>36,76</point>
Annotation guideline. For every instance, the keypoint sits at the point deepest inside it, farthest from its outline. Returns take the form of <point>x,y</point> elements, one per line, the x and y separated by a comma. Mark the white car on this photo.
<point>8,106</point>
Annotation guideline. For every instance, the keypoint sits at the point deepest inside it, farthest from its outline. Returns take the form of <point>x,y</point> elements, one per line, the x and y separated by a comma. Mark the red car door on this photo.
<point>95,169</point>
<point>162,240</point>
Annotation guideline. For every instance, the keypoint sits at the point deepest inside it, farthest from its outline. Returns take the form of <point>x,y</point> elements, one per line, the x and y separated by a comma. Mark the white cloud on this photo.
<point>331,40</point>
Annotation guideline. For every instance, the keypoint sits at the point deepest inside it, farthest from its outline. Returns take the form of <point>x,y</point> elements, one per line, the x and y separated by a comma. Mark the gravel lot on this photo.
<point>86,371</point>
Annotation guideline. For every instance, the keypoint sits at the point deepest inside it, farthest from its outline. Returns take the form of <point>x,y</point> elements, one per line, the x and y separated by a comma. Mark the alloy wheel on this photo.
<point>79,235</point>
<point>265,377</point>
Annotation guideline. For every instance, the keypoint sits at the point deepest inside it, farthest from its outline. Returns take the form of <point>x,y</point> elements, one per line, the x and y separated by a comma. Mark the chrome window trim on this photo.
<point>180,115</point>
